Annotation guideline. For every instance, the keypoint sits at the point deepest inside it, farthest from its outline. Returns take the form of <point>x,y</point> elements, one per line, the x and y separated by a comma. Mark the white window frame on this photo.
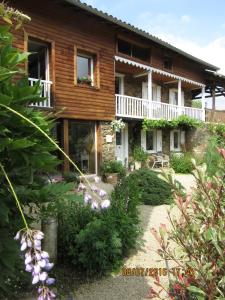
<point>181,139</point>
<point>157,141</point>
<point>121,77</point>
<point>92,65</point>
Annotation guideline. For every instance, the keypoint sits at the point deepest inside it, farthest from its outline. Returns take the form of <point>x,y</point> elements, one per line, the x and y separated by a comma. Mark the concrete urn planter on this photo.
<point>137,165</point>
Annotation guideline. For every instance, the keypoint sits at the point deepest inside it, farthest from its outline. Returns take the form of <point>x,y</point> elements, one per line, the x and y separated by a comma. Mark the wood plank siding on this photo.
<point>68,30</point>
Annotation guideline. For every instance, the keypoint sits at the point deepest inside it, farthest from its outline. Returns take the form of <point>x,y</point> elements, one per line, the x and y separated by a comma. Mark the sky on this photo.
<point>195,26</point>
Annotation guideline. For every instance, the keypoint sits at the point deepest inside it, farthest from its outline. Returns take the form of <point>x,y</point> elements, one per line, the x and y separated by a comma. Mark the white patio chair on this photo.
<point>160,160</point>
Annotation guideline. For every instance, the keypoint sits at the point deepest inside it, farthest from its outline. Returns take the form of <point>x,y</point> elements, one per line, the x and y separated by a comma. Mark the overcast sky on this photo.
<point>197,27</point>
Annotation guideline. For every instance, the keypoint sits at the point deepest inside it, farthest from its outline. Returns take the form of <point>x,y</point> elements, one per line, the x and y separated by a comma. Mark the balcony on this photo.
<point>45,92</point>
<point>138,108</point>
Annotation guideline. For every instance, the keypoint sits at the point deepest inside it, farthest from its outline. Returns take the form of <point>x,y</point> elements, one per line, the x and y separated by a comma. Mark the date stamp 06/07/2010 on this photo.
<point>138,271</point>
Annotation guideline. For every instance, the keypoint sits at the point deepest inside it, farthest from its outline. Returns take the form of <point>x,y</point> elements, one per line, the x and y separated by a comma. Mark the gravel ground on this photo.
<point>119,287</point>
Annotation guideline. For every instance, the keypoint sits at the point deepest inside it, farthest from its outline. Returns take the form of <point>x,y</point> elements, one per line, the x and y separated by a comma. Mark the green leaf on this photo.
<point>21,144</point>
<point>4,99</point>
<point>196,290</point>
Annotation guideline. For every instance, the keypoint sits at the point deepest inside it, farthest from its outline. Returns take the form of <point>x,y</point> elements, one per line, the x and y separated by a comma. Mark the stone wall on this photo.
<point>132,86</point>
<point>108,149</point>
<point>166,141</point>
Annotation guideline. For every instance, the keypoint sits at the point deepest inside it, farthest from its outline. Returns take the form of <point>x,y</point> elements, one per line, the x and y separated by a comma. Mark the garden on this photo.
<point>97,233</point>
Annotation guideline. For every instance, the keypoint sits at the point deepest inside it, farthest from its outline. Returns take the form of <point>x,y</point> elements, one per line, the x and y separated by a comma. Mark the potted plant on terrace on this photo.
<point>140,156</point>
<point>112,171</point>
<point>84,80</point>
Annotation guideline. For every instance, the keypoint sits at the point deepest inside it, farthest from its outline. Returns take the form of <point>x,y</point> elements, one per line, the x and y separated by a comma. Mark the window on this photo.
<point>133,50</point>
<point>173,97</point>
<point>177,139</point>
<point>38,61</point>
<point>85,69</point>
<point>118,138</point>
<point>168,63</point>
<point>151,140</point>
<point>82,145</point>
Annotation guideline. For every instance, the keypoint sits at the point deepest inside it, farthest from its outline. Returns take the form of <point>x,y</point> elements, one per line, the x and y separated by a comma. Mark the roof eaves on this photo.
<point>138,31</point>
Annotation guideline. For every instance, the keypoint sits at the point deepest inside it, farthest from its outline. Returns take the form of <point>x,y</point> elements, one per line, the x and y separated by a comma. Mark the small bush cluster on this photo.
<point>113,166</point>
<point>198,237</point>
<point>152,190</point>
<point>94,242</point>
<point>181,163</point>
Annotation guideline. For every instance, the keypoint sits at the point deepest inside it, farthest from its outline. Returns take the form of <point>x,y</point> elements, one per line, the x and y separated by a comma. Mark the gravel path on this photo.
<point>120,287</point>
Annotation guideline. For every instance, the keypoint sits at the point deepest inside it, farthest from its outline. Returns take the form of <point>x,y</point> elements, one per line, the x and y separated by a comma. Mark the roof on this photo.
<point>142,33</point>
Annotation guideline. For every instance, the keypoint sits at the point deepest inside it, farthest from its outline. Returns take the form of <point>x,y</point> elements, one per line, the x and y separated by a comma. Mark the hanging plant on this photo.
<point>117,125</point>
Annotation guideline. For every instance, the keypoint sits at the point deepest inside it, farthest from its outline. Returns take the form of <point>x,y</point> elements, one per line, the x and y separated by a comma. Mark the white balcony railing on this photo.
<point>45,92</point>
<point>132,107</point>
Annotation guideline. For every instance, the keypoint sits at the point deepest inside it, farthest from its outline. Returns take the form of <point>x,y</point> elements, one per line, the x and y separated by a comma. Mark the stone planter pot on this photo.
<point>137,165</point>
<point>111,178</point>
<point>50,227</point>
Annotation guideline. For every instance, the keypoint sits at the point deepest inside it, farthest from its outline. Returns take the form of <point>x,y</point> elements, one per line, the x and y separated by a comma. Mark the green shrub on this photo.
<point>212,158</point>
<point>152,190</point>
<point>71,177</point>
<point>93,242</point>
<point>198,238</point>
<point>181,163</point>
<point>113,166</point>
<point>139,154</point>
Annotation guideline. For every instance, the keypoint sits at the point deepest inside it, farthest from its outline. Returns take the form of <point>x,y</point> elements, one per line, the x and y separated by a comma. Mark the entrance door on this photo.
<point>122,146</point>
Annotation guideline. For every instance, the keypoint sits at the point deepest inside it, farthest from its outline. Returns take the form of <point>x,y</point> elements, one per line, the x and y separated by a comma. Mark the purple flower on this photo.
<point>97,179</point>
<point>50,281</point>
<point>102,193</point>
<point>23,246</point>
<point>81,187</point>
<point>29,268</point>
<point>44,254</point>
<point>105,204</point>
<point>87,198</point>
<point>17,237</point>
<point>94,188</point>
<point>49,266</point>
<point>35,279</point>
<point>43,276</point>
<point>94,205</point>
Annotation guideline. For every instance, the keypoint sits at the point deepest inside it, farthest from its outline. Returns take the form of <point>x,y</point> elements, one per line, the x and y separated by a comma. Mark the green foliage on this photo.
<point>181,163</point>
<point>113,166</point>
<point>218,131</point>
<point>71,177</point>
<point>152,190</point>
<point>139,154</point>
<point>182,121</point>
<point>95,243</point>
<point>24,153</point>
<point>198,236</point>
<point>197,103</point>
<point>212,158</point>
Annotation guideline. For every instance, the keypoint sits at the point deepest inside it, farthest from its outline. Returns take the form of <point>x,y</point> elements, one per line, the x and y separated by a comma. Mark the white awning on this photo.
<point>155,70</point>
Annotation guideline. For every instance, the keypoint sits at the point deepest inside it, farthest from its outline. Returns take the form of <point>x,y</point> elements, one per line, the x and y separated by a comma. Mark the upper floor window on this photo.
<point>168,63</point>
<point>38,61</point>
<point>85,68</point>
<point>133,50</point>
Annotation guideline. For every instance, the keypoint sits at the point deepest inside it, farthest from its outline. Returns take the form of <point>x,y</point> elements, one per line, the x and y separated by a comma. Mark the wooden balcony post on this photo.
<point>150,93</point>
<point>179,97</point>
<point>203,103</point>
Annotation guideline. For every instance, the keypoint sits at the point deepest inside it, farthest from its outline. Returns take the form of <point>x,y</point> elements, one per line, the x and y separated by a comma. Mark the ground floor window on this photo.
<point>177,139</point>
<point>82,145</point>
<point>151,140</point>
